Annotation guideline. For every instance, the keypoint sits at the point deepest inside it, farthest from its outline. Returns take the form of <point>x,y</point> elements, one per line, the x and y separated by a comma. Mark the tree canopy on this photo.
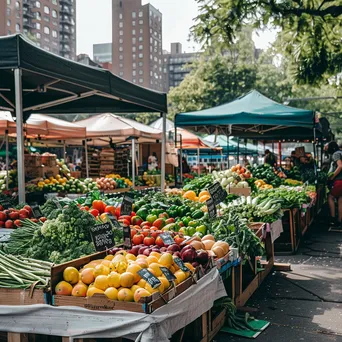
<point>310,30</point>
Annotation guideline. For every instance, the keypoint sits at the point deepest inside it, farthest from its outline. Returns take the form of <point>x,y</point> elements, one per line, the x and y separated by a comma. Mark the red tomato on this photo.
<point>83,208</point>
<point>99,206</point>
<point>145,232</point>
<point>110,209</point>
<point>126,223</point>
<point>133,232</point>
<point>159,223</point>
<point>145,223</point>
<point>86,208</point>
<point>1,208</point>
<point>28,208</point>
<point>170,220</point>
<point>164,215</point>
<point>145,227</point>
<point>138,239</point>
<point>118,211</point>
<point>125,217</point>
<point>3,216</point>
<point>154,228</point>
<point>154,234</point>
<point>149,241</point>
<point>178,239</point>
<point>159,242</point>
<point>133,214</point>
<point>43,219</point>
<point>94,212</point>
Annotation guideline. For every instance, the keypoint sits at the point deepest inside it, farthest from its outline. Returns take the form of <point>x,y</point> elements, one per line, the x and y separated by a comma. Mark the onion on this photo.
<point>202,257</point>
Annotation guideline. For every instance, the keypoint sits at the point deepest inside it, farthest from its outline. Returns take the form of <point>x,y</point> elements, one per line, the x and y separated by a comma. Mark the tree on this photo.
<point>310,30</point>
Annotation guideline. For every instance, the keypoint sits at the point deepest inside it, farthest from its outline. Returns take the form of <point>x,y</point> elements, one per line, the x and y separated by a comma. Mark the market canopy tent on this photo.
<point>250,116</point>
<point>33,80</point>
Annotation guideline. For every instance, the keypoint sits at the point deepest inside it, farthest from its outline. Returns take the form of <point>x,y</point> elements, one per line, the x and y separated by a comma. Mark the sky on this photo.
<point>94,24</point>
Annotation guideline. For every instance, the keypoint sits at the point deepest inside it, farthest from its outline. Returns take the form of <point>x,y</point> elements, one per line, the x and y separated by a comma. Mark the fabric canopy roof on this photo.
<point>118,128</point>
<point>45,126</point>
<point>53,84</point>
<point>251,115</point>
<point>158,124</point>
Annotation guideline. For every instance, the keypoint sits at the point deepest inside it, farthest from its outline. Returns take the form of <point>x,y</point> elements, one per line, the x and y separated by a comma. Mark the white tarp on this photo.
<point>81,323</point>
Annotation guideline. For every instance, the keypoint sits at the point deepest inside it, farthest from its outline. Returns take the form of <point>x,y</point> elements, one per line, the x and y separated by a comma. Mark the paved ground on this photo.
<point>305,304</point>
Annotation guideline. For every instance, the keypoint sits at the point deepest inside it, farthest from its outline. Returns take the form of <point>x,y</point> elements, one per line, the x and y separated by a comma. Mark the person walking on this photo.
<point>336,180</point>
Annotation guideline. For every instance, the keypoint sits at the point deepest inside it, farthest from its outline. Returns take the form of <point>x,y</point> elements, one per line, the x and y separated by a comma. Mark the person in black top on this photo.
<point>270,158</point>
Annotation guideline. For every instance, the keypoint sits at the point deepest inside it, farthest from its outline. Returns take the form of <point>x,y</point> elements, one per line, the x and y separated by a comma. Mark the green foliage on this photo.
<point>310,30</point>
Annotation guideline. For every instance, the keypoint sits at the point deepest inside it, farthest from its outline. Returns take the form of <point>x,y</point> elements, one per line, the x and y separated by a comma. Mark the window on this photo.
<point>37,4</point>
<point>120,48</point>
<point>17,15</point>
<point>134,65</point>
<point>121,57</point>
<point>141,55</point>
<point>17,27</point>
<point>54,33</point>
<point>121,33</point>
<point>134,56</point>
<point>47,19</point>
<point>38,27</point>
<point>120,40</point>
<point>54,13</point>
<point>150,48</point>
<point>151,57</point>
<point>38,44</point>
<point>140,39</point>
<point>141,22</point>
<point>134,40</point>
<point>151,73</point>
<point>151,40</point>
<point>120,16</point>
<point>141,64</point>
<point>133,32</point>
<point>8,12</point>
<point>46,30</point>
<point>141,14</point>
<point>54,2</point>
<point>140,72</point>
<point>120,24</point>
<point>8,22</point>
<point>120,65</point>
<point>141,80</point>
<point>134,15</point>
<point>141,31</point>
<point>121,73</point>
<point>133,23</point>
<point>134,80</point>
<point>17,5</point>
<point>38,16</point>
<point>134,49</point>
<point>150,13</point>
<point>46,10</point>
<point>140,47</point>
<point>8,2</point>
<point>134,73</point>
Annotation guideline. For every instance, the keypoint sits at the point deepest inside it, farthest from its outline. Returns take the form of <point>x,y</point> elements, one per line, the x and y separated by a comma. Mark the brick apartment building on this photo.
<point>50,24</point>
<point>137,43</point>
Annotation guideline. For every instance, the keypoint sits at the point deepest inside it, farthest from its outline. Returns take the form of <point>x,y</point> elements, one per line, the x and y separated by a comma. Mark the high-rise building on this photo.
<point>137,43</point>
<point>50,24</point>
<point>102,53</point>
<point>176,65</point>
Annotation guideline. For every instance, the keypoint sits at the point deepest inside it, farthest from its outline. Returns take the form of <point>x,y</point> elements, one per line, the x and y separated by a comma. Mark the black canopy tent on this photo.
<point>34,80</point>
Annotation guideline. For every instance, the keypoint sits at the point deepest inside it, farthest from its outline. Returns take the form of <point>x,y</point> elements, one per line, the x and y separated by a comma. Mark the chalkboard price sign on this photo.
<point>181,265</point>
<point>149,277</point>
<point>114,221</point>
<point>167,238</point>
<point>37,213</point>
<point>127,205</point>
<point>127,236</point>
<point>168,274</point>
<point>103,237</point>
<point>141,170</point>
<point>212,212</point>
<point>217,193</point>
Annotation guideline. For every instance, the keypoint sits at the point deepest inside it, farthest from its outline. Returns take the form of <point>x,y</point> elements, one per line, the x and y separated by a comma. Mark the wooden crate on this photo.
<point>24,297</point>
<point>100,302</point>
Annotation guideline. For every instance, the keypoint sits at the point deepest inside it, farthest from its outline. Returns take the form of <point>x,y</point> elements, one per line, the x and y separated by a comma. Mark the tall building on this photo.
<point>50,24</point>
<point>176,66</point>
<point>137,43</point>
<point>102,53</point>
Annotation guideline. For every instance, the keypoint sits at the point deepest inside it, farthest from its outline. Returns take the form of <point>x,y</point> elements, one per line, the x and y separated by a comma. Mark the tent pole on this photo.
<point>228,162</point>
<point>163,152</point>
<point>20,134</point>
<point>7,159</point>
<point>64,150</point>
<point>86,157</point>
<point>238,152</point>
<point>133,163</point>
<point>279,153</point>
<point>181,159</point>
<point>198,161</point>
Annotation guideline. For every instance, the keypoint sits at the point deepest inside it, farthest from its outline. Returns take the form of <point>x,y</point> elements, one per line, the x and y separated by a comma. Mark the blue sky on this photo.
<point>94,24</point>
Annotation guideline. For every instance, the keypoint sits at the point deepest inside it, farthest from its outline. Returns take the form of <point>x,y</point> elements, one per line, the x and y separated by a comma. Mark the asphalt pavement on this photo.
<point>304,304</point>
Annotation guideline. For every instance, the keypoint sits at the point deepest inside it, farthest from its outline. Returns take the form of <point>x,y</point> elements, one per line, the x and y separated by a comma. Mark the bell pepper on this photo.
<point>150,218</point>
<point>193,223</point>
<point>169,227</point>
<point>143,213</point>
<point>201,229</point>
<point>197,214</point>
<point>186,220</point>
<point>157,212</point>
<point>191,231</point>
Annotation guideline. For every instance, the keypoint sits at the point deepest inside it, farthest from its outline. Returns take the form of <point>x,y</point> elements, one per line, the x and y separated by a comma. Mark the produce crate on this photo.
<point>49,161</point>
<point>240,191</point>
<point>75,174</point>
<point>32,160</point>
<point>100,302</point>
<point>24,297</point>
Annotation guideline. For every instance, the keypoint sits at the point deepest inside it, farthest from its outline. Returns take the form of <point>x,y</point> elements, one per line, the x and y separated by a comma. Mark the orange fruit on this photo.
<point>141,256</point>
<point>149,288</point>
<point>92,290</point>
<point>87,276</point>
<point>63,289</point>
<point>109,257</point>
<point>141,283</point>
<point>101,270</point>
<point>79,290</point>
<point>190,267</point>
<point>134,268</point>
<point>135,288</point>
<point>142,263</point>
<point>125,295</point>
<point>191,195</point>
<point>130,256</point>
<point>140,293</point>
<point>106,263</point>
<point>180,275</point>
<point>165,282</point>
<point>114,279</point>
<point>127,279</point>
<point>71,275</point>
<point>156,268</point>
<point>151,260</point>
<point>155,254</point>
<point>119,258</point>
<point>166,260</point>
<point>101,282</point>
<point>112,293</point>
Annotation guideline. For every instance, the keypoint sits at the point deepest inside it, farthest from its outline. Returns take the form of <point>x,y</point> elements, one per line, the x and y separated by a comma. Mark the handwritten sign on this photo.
<point>212,212</point>
<point>149,277</point>
<point>37,213</point>
<point>127,205</point>
<point>114,221</point>
<point>168,274</point>
<point>103,237</point>
<point>167,238</point>
<point>217,193</point>
<point>181,265</point>
<point>127,237</point>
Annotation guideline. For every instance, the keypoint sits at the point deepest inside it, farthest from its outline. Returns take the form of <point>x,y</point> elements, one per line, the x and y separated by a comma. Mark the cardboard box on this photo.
<point>239,191</point>
<point>23,297</point>
<point>32,160</point>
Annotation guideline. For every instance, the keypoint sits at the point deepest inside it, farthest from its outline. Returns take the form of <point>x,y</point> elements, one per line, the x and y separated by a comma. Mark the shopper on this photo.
<point>152,162</point>
<point>270,158</point>
<point>336,179</point>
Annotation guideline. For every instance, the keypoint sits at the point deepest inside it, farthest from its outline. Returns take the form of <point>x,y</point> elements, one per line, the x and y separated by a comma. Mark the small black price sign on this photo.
<point>37,213</point>
<point>212,212</point>
<point>181,265</point>
<point>103,237</point>
<point>217,193</point>
<point>168,274</point>
<point>167,238</point>
<point>141,170</point>
<point>114,221</point>
<point>127,236</point>
<point>149,277</point>
<point>127,205</point>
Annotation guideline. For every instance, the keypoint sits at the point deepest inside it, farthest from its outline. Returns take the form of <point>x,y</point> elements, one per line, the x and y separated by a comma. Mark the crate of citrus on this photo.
<point>121,281</point>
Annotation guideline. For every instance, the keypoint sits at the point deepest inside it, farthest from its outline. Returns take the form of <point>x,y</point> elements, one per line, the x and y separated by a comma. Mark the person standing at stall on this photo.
<point>270,158</point>
<point>336,180</point>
